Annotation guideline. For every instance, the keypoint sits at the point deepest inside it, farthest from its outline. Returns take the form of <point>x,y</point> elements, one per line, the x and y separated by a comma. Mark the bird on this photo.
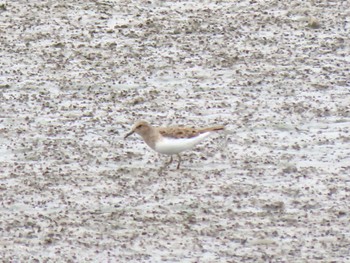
<point>171,140</point>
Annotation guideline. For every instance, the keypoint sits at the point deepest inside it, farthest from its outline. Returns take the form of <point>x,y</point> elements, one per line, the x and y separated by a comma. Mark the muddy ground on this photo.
<point>75,75</point>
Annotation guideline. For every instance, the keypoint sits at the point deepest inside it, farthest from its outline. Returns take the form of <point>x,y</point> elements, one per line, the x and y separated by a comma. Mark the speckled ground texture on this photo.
<point>75,75</point>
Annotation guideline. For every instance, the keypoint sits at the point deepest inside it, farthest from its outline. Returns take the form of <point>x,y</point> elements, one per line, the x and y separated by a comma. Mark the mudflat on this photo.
<point>75,75</point>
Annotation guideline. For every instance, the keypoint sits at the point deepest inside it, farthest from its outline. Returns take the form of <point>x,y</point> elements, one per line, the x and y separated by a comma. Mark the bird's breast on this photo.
<point>167,145</point>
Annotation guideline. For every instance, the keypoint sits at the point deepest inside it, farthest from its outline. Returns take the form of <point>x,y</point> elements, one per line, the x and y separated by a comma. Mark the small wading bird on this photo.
<point>171,140</point>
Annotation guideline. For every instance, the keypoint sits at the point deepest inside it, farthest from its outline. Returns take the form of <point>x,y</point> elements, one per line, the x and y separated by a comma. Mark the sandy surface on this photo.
<point>74,77</point>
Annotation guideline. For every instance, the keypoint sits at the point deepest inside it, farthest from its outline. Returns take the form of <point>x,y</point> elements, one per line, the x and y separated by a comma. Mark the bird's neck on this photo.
<point>151,137</point>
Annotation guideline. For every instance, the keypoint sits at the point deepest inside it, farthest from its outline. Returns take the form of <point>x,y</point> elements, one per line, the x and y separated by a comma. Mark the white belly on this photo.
<point>174,146</point>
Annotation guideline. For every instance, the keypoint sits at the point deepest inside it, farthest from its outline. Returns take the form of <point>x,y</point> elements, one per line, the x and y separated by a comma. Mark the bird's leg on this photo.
<point>170,161</point>
<point>178,165</point>
<point>167,163</point>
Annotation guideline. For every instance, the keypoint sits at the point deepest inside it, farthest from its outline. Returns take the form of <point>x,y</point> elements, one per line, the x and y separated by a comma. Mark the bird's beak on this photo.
<point>128,134</point>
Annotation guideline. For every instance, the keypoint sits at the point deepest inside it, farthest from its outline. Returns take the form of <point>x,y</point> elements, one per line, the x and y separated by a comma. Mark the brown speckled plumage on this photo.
<point>185,132</point>
<point>154,135</point>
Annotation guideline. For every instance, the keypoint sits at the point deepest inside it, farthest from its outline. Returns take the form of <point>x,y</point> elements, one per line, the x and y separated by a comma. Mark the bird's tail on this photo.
<point>213,128</point>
